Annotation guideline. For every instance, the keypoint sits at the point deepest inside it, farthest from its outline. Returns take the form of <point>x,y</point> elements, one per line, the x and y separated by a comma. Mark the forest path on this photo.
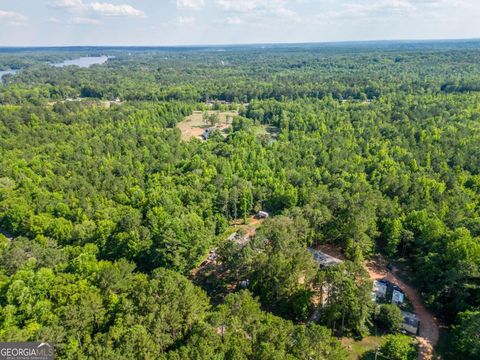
<point>429,327</point>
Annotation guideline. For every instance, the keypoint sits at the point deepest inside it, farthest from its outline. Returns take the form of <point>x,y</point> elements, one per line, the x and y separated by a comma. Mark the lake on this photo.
<point>84,62</point>
<point>7,72</point>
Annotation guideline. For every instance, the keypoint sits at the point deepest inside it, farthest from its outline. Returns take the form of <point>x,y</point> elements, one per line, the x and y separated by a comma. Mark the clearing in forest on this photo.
<point>194,125</point>
<point>363,349</point>
<point>429,327</point>
<point>212,272</point>
<point>267,130</point>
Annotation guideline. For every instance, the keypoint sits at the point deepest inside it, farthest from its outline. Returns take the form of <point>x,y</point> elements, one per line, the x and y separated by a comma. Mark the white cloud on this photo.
<point>249,11</point>
<point>98,8</point>
<point>85,21</point>
<point>54,20</point>
<point>190,4</point>
<point>239,6</point>
<point>233,20</point>
<point>12,18</point>
<point>107,9</point>
<point>376,9</point>
<point>185,20</point>
<point>66,4</point>
<point>438,3</point>
<point>382,9</point>
<point>283,12</point>
<point>280,6</point>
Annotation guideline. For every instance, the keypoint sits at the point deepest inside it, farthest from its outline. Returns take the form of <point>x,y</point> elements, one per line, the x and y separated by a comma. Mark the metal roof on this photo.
<point>410,319</point>
<point>323,259</point>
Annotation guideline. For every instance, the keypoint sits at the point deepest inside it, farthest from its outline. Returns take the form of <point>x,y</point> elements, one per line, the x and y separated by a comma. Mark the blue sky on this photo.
<point>182,22</point>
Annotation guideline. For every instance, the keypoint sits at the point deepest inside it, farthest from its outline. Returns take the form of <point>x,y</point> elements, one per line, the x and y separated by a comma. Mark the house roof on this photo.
<point>410,319</point>
<point>323,259</point>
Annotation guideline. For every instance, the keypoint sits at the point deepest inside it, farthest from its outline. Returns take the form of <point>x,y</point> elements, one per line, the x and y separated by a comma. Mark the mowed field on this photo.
<point>363,349</point>
<point>194,125</point>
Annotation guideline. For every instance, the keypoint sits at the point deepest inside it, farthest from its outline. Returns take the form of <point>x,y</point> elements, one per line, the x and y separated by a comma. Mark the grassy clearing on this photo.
<point>194,125</point>
<point>363,349</point>
<point>266,130</point>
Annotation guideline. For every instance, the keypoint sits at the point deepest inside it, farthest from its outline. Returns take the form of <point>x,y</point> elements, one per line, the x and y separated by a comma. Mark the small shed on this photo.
<point>262,214</point>
<point>207,132</point>
<point>244,283</point>
<point>411,323</point>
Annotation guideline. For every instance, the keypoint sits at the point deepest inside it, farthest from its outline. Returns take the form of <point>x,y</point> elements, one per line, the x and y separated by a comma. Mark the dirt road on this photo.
<point>429,328</point>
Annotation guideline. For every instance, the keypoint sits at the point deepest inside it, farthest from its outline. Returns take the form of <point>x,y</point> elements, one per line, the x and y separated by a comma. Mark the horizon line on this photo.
<point>422,40</point>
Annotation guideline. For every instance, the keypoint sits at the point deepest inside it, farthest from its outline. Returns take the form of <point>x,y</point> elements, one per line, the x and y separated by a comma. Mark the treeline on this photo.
<point>121,179</point>
<point>370,153</point>
<point>242,76</point>
<point>276,267</point>
<point>107,310</point>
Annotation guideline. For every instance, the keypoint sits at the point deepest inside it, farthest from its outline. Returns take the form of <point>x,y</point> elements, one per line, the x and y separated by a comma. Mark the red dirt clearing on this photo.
<point>429,328</point>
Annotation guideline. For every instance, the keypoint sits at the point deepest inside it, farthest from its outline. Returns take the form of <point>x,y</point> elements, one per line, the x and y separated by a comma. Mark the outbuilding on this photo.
<point>262,214</point>
<point>380,289</point>
<point>411,323</point>
<point>206,133</point>
<point>398,296</point>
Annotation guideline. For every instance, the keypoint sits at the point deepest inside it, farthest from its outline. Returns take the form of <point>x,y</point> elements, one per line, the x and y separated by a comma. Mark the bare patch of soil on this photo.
<point>194,125</point>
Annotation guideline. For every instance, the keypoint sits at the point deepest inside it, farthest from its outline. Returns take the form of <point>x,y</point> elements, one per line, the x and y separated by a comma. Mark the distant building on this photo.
<point>221,102</point>
<point>263,215</point>
<point>323,259</point>
<point>206,133</point>
<point>245,283</point>
<point>411,323</point>
<point>379,289</point>
<point>241,240</point>
<point>213,255</point>
<point>397,296</point>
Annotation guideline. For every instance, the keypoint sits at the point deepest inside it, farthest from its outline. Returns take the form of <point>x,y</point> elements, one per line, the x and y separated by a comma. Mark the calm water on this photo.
<point>84,62</point>
<point>7,72</point>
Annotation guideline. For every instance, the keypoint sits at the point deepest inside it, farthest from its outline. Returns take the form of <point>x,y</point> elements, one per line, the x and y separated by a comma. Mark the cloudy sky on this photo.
<point>171,22</point>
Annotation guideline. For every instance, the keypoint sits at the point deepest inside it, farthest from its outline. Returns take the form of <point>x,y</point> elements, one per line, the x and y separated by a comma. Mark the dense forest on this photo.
<point>105,210</point>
